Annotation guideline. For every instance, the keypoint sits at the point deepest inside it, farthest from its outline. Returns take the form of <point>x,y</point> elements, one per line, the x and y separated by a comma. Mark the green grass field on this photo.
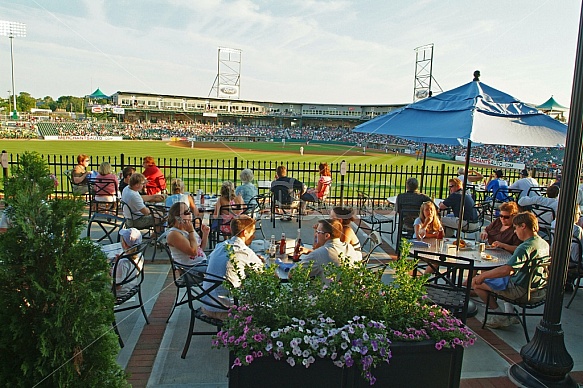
<point>243,151</point>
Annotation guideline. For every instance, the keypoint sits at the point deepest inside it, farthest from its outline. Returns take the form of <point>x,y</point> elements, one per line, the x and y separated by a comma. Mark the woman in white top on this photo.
<point>186,246</point>
<point>178,195</point>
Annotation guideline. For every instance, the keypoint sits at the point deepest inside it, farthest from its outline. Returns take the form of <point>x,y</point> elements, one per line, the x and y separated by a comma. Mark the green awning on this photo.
<point>552,105</point>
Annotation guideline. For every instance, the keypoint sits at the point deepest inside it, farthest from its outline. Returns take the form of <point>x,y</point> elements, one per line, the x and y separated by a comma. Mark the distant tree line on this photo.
<point>25,102</point>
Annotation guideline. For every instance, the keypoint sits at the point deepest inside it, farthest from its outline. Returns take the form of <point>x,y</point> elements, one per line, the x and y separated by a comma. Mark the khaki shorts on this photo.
<point>141,223</point>
<point>518,294</point>
<point>222,315</point>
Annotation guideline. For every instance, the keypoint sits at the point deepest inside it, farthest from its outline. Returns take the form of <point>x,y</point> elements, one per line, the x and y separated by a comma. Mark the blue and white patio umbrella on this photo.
<point>475,112</point>
<point>471,113</point>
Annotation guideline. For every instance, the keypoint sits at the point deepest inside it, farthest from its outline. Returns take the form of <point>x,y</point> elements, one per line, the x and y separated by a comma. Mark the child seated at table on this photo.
<point>428,223</point>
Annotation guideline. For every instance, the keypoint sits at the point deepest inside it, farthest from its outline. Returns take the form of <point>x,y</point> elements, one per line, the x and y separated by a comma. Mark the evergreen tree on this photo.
<point>55,294</point>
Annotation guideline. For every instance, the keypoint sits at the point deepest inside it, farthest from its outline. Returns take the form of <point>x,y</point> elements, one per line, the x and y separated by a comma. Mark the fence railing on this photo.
<point>379,181</point>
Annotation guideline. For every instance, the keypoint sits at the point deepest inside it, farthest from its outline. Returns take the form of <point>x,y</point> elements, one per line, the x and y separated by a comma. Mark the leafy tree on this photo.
<point>54,291</point>
<point>70,103</point>
<point>46,103</point>
<point>25,102</point>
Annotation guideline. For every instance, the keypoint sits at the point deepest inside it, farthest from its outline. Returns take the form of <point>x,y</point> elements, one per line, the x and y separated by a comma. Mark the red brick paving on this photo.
<point>142,359</point>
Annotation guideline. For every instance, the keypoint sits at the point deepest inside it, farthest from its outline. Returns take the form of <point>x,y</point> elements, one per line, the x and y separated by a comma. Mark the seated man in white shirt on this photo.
<point>232,269</point>
<point>551,201</point>
<point>136,212</point>
<point>328,247</point>
<point>525,183</point>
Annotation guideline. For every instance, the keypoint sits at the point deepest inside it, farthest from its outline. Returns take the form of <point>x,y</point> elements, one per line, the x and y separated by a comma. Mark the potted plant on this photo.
<point>349,329</point>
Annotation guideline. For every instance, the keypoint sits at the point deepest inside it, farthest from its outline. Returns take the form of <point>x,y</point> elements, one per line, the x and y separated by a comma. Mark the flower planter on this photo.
<point>413,364</point>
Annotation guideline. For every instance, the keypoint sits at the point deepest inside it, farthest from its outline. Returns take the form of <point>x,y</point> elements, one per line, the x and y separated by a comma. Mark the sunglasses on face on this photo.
<point>186,213</point>
<point>505,217</point>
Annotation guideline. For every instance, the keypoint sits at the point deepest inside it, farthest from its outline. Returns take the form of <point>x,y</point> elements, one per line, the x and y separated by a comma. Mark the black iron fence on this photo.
<point>379,181</point>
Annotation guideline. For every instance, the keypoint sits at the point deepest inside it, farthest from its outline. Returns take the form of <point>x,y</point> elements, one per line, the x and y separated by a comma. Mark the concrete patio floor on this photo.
<point>152,352</point>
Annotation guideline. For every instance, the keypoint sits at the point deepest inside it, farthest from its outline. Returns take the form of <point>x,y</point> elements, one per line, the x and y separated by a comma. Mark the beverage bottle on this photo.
<point>282,245</point>
<point>202,197</point>
<point>272,247</point>
<point>440,233</point>
<point>297,247</point>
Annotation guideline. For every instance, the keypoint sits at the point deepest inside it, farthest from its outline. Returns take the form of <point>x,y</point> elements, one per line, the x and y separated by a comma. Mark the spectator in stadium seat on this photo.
<point>156,181</point>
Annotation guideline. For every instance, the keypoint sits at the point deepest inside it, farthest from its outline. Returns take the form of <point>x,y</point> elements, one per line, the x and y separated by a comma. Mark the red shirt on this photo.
<point>156,181</point>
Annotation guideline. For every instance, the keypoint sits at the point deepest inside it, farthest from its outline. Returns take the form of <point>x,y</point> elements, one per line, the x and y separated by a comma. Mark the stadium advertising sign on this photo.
<point>96,109</point>
<point>493,163</point>
<point>228,91</point>
<point>104,138</point>
<point>118,111</point>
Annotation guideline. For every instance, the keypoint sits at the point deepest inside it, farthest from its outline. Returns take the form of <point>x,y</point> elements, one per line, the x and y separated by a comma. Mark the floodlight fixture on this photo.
<point>11,30</point>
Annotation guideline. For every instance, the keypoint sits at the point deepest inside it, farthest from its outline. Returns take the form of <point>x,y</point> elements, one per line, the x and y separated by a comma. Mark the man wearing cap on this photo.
<point>524,184</point>
<point>498,186</point>
<point>130,239</point>
<point>473,175</point>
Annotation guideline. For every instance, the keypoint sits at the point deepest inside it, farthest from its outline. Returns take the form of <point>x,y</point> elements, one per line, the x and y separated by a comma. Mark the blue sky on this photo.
<point>353,52</point>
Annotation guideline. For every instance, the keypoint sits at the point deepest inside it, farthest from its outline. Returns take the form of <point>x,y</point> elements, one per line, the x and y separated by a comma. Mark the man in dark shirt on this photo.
<point>283,189</point>
<point>453,201</point>
<point>410,200</point>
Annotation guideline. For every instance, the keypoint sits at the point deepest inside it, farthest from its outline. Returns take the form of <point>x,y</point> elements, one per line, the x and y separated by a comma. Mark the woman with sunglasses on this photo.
<point>186,246</point>
<point>500,233</point>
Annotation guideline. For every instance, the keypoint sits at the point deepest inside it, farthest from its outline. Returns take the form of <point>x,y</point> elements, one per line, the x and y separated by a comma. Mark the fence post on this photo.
<point>235,171</point>
<point>4,161</point>
<point>441,180</point>
<point>122,161</point>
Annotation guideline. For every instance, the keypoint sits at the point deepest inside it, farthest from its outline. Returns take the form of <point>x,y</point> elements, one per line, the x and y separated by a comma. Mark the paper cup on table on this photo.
<point>451,249</point>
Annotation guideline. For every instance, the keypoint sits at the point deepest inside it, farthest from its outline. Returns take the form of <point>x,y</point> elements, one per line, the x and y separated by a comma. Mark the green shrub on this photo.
<point>54,291</point>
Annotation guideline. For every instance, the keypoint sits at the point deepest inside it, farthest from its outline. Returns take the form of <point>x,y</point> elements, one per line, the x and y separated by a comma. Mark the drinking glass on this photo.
<point>422,232</point>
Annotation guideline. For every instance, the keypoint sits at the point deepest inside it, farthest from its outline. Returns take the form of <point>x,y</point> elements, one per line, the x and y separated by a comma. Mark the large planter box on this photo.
<point>414,364</point>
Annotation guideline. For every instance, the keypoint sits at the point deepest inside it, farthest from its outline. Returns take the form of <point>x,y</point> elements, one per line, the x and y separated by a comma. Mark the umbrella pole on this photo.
<point>545,359</point>
<point>423,167</point>
<point>463,198</point>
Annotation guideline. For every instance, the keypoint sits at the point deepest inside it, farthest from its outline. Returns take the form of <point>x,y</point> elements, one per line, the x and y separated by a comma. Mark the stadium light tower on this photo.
<point>11,30</point>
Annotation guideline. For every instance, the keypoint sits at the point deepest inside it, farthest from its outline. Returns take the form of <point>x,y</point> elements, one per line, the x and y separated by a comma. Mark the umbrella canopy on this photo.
<point>98,94</point>
<point>552,105</point>
<point>475,112</point>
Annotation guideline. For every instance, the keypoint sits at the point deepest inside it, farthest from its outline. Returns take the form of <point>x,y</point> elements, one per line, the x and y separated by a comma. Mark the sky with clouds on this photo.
<point>313,51</point>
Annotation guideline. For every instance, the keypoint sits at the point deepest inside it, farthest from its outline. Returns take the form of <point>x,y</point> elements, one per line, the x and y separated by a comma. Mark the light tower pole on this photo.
<point>11,30</point>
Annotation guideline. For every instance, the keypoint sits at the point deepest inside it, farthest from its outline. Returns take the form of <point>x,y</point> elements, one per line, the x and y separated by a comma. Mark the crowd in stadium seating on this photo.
<point>545,158</point>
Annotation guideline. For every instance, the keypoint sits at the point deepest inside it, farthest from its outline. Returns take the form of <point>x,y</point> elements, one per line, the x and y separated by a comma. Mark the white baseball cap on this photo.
<point>131,236</point>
